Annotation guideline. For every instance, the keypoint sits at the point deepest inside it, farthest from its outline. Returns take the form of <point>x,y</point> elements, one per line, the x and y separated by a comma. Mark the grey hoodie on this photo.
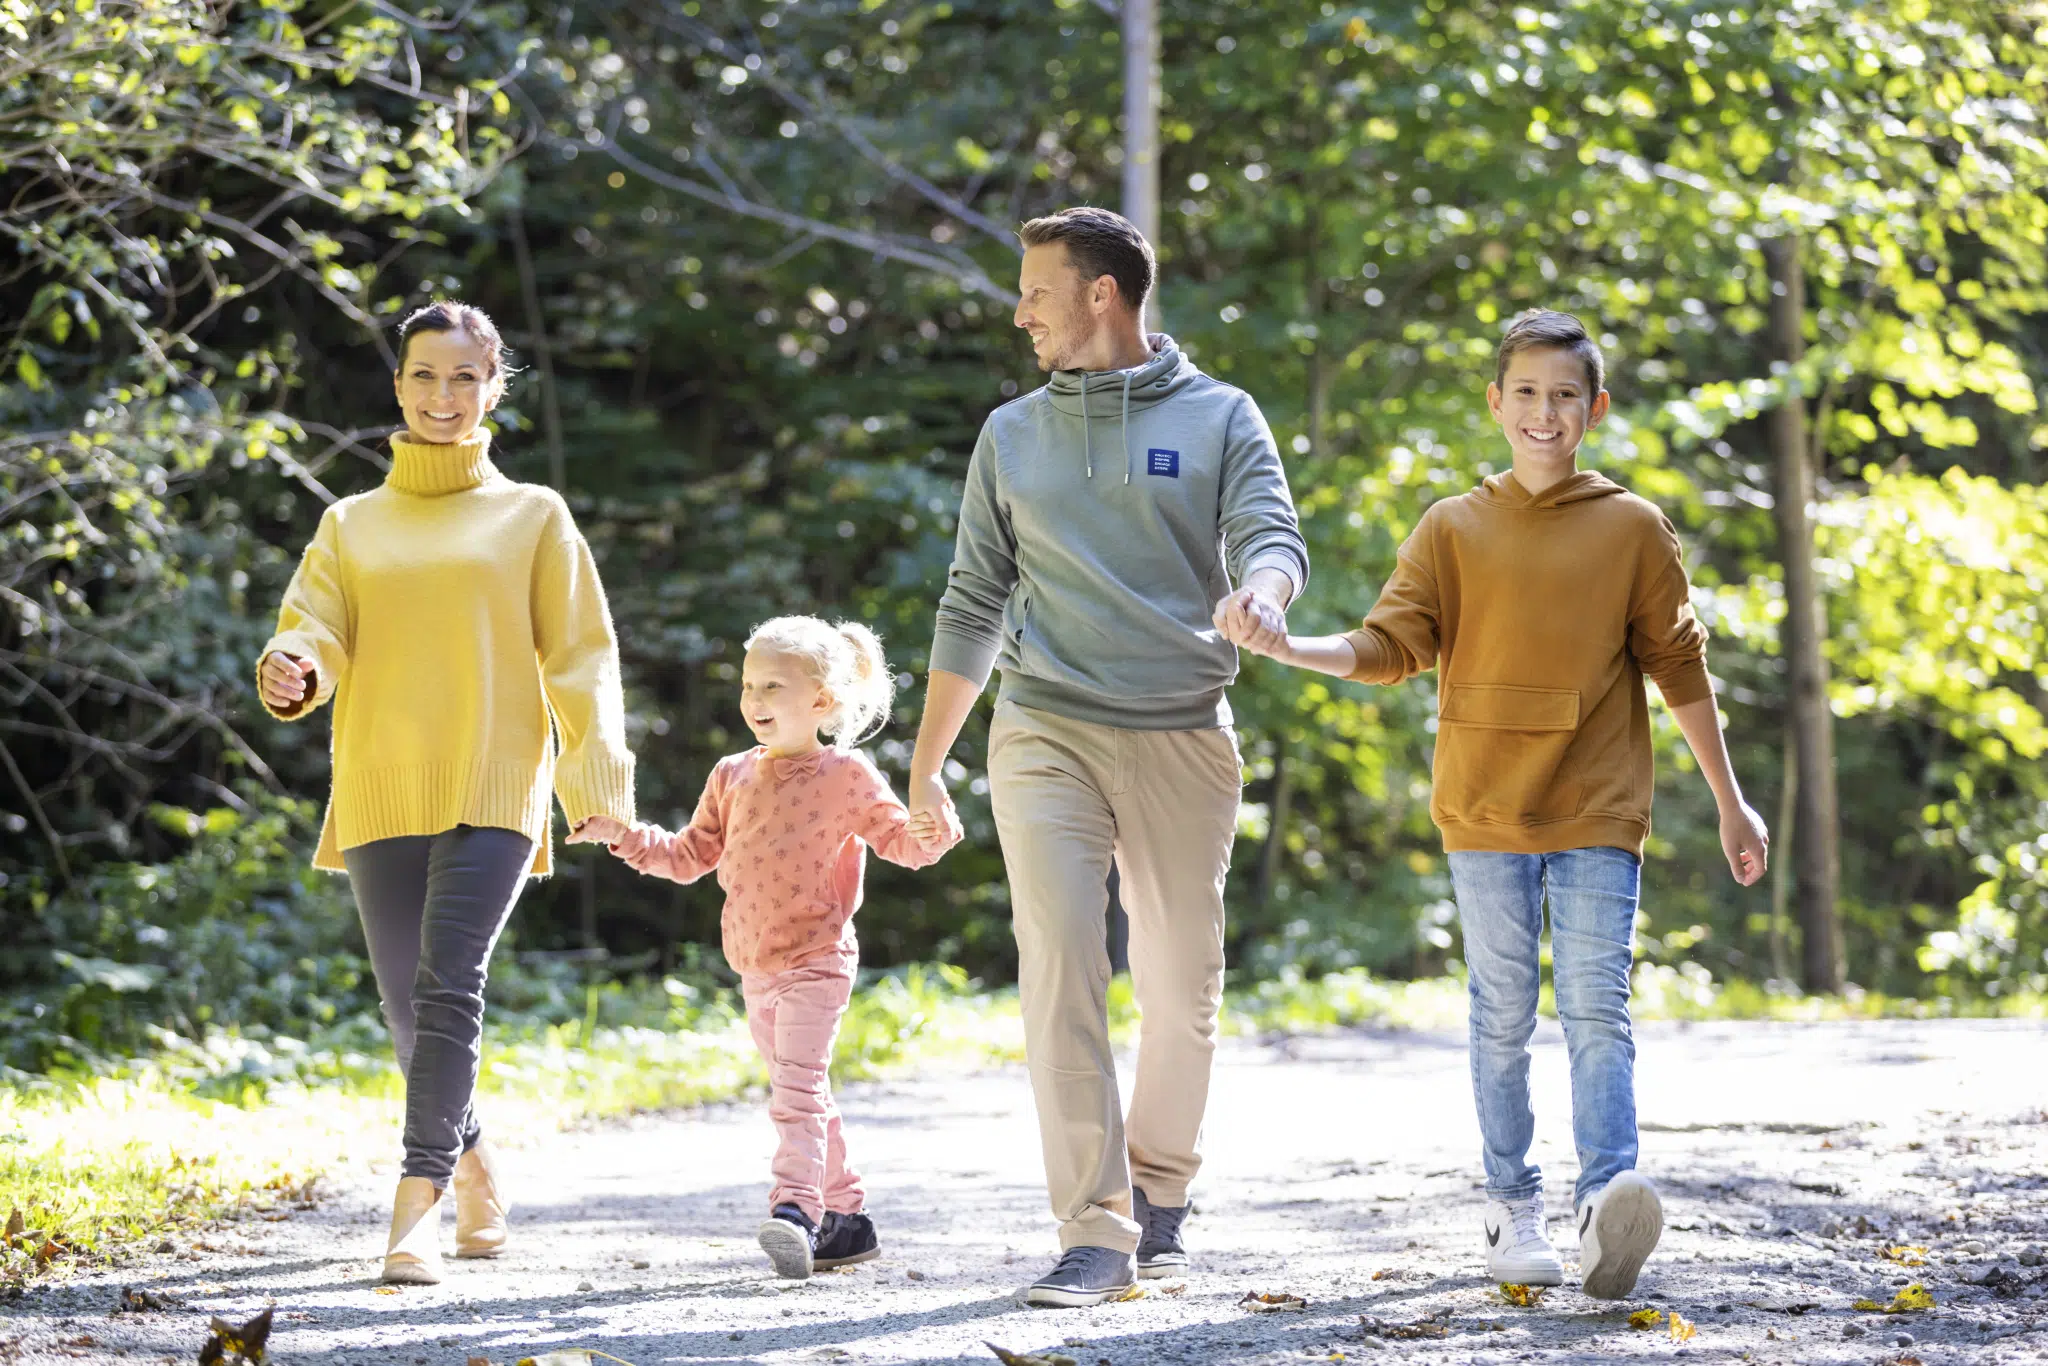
<point>1105,515</point>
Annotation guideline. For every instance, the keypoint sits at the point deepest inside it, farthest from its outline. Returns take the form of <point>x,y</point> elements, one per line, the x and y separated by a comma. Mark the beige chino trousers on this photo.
<point>1069,796</point>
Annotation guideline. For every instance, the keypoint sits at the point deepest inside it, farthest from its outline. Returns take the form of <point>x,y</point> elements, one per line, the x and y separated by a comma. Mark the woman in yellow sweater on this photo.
<point>452,615</point>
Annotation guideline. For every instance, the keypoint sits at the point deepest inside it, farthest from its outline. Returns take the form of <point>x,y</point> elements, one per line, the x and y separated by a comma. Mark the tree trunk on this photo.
<point>1141,128</point>
<point>1276,825</point>
<point>1817,859</point>
<point>1784,840</point>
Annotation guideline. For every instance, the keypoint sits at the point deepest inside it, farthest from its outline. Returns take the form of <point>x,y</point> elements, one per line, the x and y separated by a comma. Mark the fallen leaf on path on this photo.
<point>1902,1359</point>
<point>1258,1302</point>
<point>1174,1289</point>
<point>1911,1300</point>
<point>575,1356</point>
<point>1646,1318</point>
<point>1138,1290</point>
<point>478,1361</point>
<point>135,1300</point>
<point>1435,1326</point>
<point>1682,1329</point>
<point>1522,1296</point>
<point>385,1290</point>
<point>1904,1255</point>
<point>245,1343</point>
<point>1009,1358</point>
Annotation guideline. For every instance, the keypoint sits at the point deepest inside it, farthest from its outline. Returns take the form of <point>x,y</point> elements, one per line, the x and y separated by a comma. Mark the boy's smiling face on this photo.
<point>1545,404</point>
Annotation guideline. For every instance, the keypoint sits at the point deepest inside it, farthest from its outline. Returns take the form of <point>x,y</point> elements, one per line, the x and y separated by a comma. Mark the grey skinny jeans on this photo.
<point>433,907</point>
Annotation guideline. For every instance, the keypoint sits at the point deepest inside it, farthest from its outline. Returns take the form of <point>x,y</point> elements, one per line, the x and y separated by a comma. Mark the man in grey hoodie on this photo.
<point>1106,517</point>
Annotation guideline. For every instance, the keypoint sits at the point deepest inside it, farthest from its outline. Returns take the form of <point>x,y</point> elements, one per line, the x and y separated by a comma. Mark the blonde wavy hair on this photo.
<point>846,659</point>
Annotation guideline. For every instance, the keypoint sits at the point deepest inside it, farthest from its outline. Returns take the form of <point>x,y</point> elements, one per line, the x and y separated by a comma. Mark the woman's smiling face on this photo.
<point>445,386</point>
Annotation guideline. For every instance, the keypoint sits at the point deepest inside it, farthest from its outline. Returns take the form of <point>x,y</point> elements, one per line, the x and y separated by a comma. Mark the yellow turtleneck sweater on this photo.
<point>450,614</point>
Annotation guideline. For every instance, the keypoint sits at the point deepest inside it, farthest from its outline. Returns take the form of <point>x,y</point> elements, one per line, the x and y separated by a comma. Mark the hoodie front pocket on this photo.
<point>1500,754</point>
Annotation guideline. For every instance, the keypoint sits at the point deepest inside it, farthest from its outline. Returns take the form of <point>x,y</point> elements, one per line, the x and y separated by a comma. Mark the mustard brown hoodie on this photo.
<point>1542,615</point>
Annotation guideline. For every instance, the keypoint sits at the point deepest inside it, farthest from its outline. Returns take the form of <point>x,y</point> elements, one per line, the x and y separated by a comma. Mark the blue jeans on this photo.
<point>1592,895</point>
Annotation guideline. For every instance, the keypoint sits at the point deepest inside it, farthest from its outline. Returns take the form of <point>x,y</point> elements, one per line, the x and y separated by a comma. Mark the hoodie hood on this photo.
<point>1504,490</point>
<point>1112,395</point>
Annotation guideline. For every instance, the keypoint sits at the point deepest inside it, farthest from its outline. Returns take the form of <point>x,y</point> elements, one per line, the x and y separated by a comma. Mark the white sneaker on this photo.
<point>1619,1225</point>
<point>1518,1251</point>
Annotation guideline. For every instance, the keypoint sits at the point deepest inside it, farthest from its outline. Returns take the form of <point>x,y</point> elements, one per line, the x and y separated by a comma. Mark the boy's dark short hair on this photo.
<point>1100,243</point>
<point>1547,327</point>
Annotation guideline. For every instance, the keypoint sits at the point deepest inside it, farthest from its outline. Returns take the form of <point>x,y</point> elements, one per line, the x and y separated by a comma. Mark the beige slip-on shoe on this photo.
<point>480,1206</point>
<point>413,1256</point>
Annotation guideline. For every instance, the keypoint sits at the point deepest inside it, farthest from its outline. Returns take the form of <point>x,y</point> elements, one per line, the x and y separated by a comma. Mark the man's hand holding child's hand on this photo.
<point>934,821</point>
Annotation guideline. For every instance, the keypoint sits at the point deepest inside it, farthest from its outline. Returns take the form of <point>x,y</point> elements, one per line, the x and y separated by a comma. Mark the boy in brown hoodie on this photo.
<point>1543,598</point>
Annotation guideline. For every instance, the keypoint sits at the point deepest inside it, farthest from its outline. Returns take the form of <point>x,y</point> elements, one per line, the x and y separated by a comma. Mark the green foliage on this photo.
<point>770,263</point>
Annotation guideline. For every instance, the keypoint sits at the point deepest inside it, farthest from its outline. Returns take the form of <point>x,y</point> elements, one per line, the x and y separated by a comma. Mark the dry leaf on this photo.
<point>1904,1255</point>
<point>1174,1289</point>
<point>16,1226</point>
<point>478,1361</point>
<point>1522,1296</point>
<point>1646,1318</point>
<point>1435,1326</point>
<point>136,1301</point>
<point>386,1290</point>
<point>1009,1358</point>
<point>1260,1303</point>
<point>1682,1329</point>
<point>244,1344</point>
<point>1908,1301</point>
<point>1137,1290</point>
<point>575,1356</point>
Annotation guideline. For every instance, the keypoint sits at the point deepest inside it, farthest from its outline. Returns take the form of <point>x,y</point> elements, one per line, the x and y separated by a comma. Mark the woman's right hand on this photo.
<point>284,681</point>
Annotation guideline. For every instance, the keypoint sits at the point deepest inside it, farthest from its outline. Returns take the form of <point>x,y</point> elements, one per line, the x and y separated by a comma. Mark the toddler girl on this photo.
<point>786,825</point>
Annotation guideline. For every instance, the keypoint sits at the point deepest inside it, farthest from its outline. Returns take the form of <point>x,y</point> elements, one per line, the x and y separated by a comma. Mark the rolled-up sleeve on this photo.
<point>1664,634</point>
<point>314,622</point>
<point>1260,527</point>
<point>1404,631</point>
<point>968,634</point>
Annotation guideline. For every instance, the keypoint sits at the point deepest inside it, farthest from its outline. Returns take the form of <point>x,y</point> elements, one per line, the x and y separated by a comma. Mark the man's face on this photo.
<point>1054,307</point>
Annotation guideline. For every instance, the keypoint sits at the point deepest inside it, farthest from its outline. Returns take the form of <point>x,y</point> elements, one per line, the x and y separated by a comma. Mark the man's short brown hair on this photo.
<point>1100,243</point>
<point>1547,327</point>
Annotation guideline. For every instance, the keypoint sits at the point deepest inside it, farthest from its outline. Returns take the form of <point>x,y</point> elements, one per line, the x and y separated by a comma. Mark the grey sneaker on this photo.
<point>1160,1252</point>
<point>1084,1276</point>
<point>790,1239</point>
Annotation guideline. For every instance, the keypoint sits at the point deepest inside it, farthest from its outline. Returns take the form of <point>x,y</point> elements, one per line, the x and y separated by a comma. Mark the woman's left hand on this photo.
<point>598,830</point>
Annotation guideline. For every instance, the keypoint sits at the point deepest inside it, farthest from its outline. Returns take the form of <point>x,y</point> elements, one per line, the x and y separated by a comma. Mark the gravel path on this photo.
<point>1343,1169</point>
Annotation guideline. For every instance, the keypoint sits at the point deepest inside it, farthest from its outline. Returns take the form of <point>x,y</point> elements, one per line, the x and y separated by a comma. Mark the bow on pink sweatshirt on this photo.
<point>787,837</point>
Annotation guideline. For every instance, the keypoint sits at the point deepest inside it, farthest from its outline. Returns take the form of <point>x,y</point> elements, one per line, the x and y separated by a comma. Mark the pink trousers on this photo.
<point>794,1015</point>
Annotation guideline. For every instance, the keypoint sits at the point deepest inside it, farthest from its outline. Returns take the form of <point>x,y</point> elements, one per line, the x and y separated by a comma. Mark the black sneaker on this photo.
<point>1084,1276</point>
<point>1160,1252</point>
<point>791,1240</point>
<point>844,1239</point>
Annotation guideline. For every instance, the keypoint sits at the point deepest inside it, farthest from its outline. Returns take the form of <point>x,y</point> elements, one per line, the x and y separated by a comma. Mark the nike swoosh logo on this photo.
<point>1493,1237</point>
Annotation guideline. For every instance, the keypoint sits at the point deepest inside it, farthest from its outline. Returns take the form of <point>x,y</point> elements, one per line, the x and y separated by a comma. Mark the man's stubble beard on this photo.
<point>1086,324</point>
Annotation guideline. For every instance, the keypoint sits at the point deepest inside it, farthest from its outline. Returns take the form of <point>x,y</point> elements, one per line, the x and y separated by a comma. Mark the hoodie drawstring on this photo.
<point>1127,425</point>
<point>1087,447</point>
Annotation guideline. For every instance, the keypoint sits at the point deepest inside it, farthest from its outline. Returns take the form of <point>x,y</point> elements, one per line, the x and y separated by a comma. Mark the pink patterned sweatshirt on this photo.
<point>788,838</point>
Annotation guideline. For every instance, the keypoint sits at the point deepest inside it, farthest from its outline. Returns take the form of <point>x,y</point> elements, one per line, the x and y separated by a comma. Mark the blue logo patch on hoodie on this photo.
<point>1166,464</point>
